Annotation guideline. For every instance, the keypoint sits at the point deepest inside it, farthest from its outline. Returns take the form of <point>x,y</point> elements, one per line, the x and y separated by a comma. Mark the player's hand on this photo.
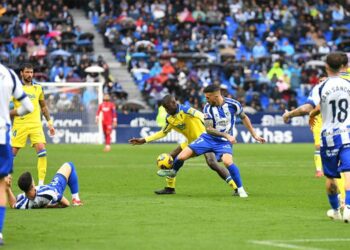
<point>8,181</point>
<point>259,139</point>
<point>52,130</point>
<point>312,122</point>
<point>231,139</point>
<point>286,117</point>
<point>114,124</point>
<point>137,141</point>
<point>96,120</point>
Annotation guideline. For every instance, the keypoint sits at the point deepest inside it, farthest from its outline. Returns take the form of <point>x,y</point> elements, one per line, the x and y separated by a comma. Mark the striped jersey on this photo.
<point>333,95</point>
<point>10,85</point>
<point>45,195</point>
<point>224,116</point>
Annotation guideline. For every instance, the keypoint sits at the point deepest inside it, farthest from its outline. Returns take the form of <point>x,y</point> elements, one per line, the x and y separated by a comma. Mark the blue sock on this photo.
<point>177,164</point>
<point>347,197</point>
<point>73,180</point>
<point>2,217</point>
<point>333,200</point>
<point>236,176</point>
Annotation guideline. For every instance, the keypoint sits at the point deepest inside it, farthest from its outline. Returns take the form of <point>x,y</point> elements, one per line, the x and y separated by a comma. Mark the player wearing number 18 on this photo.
<point>333,96</point>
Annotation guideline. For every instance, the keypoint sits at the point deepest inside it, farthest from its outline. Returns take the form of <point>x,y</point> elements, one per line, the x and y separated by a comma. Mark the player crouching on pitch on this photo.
<point>45,196</point>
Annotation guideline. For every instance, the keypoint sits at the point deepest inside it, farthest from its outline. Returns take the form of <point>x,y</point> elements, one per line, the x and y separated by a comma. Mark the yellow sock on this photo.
<point>318,161</point>
<point>232,184</point>
<point>170,182</point>
<point>341,186</point>
<point>42,166</point>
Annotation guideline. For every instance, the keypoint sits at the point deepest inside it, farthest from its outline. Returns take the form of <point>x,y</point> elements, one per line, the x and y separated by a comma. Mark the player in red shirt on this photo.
<point>109,119</point>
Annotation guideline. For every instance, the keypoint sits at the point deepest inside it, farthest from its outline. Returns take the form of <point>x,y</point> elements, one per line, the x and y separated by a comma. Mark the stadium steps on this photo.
<point>118,71</point>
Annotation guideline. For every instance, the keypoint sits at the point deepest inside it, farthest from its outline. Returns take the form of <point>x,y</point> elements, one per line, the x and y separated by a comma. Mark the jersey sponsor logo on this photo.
<point>31,96</point>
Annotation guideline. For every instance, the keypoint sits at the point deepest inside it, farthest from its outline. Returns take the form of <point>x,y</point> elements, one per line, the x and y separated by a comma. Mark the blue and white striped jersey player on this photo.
<point>10,85</point>
<point>46,196</point>
<point>333,96</point>
<point>219,118</point>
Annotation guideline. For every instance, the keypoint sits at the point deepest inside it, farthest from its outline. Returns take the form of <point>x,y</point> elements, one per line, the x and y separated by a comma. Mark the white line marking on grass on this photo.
<point>280,244</point>
<point>287,243</point>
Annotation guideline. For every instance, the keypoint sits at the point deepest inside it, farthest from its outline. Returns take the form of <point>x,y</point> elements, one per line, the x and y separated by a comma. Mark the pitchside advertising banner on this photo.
<point>81,128</point>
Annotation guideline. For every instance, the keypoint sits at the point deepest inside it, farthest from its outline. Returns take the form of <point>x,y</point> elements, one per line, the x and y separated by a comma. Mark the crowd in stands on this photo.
<point>43,33</point>
<point>266,54</point>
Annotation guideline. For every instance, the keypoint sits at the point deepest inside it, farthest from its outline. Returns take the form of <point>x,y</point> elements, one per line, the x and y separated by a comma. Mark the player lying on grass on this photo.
<point>188,122</point>
<point>46,196</point>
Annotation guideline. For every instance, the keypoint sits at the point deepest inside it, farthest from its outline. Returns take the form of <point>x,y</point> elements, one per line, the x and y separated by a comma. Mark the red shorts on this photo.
<point>107,128</point>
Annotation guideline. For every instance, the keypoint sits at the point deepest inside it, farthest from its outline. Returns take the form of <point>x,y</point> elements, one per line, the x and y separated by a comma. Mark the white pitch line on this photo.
<point>283,245</point>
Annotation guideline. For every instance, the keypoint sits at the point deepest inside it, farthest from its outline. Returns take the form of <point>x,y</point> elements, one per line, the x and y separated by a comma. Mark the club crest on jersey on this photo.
<point>31,96</point>
<point>181,126</point>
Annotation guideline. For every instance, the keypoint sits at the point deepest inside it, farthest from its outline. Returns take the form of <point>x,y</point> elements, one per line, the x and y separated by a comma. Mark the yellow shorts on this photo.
<point>184,144</point>
<point>20,134</point>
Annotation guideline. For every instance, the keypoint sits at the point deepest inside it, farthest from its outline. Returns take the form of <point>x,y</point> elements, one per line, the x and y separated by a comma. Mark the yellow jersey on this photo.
<point>35,94</point>
<point>187,121</point>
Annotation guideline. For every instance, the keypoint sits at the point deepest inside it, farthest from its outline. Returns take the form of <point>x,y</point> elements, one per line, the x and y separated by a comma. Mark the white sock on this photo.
<point>0,235</point>
<point>76,196</point>
<point>41,183</point>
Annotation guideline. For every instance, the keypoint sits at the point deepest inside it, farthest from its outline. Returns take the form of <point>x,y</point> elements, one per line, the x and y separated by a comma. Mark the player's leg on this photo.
<point>344,167</point>
<point>235,174</point>
<point>222,172</point>
<point>6,165</point>
<point>107,130</point>
<point>330,162</point>
<point>317,156</point>
<point>68,170</point>
<point>170,181</point>
<point>185,154</point>
<point>38,141</point>
<point>42,162</point>
<point>3,202</point>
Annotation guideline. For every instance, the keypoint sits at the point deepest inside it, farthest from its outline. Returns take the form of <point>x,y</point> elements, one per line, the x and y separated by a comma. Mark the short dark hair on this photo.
<point>335,60</point>
<point>345,59</point>
<point>166,99</point>
<point>25,181</point>
<point>26,66</point>
<point>211,88</point>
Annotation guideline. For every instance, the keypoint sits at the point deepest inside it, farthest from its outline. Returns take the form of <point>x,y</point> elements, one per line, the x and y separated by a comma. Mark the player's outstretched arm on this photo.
<point>10,196</point>
<point>25,108</point>
<point>301,110</point>
<point>137,141</point>
<point>62,204</point>
<point>246,122</point>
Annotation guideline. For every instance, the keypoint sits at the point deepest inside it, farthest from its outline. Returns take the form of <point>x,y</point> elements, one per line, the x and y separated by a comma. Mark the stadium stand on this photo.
<point>266,54</point>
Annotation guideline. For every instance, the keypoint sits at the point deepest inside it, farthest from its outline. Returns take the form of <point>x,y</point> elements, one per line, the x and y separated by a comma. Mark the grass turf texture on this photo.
<point>121,211</point>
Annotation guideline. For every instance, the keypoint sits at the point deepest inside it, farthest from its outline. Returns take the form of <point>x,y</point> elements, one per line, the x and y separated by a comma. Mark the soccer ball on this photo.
<point>165,161</point>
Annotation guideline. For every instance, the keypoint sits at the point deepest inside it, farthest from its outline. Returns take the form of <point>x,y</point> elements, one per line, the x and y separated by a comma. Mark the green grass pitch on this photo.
<point>286,207</point>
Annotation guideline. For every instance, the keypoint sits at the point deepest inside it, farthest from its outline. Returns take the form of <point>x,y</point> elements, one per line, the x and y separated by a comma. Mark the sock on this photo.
<point>73,182</point>
<point>347,197</point>
<point>333,200</point>
<point>177,164</point>
<point>2,217</point>
<point>108,139</point>
<point>231,183</point>
<point>42,165</point>
<point>170,182</point>
<point>318,161</point>
<point>236,176</point>
<point>340,184</point>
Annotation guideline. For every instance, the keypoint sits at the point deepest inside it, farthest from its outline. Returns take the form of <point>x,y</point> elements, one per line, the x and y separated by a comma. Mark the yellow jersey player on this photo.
<point>188,122</point>
<point>30,125</point>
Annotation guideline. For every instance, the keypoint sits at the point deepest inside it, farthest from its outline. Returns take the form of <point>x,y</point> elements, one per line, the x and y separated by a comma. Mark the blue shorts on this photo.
<point>335,160</point>
<point>59,182</point>
<point>207,143</point>
<point>6,156</point>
